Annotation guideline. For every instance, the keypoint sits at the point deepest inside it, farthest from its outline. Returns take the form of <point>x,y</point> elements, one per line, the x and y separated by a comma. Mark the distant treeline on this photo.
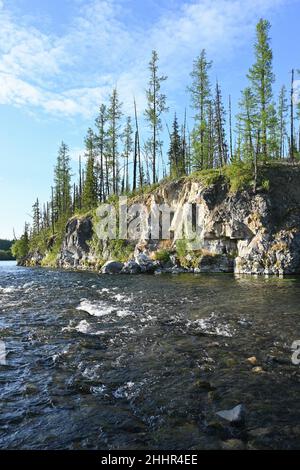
<point>5,250</point>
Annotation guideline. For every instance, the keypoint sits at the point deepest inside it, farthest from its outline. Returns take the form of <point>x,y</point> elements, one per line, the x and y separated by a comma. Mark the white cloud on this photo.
<point>71,74</point>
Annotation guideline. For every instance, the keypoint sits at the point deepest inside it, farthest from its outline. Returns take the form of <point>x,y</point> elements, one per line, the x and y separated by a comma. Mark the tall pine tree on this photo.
<point>62,184</point>
<point>201,99</point>
<point>114,114</point>
<point>89,197</point>
<point>156,107</point>
<point>261,79</point>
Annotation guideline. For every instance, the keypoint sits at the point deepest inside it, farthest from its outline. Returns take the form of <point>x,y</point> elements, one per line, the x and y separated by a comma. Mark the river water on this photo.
<point>145,362</point>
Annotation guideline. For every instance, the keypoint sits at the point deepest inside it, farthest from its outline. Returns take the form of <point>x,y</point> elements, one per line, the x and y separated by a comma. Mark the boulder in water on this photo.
<point>131,267</point>
<point>234,415</point>
<point>112,267</point>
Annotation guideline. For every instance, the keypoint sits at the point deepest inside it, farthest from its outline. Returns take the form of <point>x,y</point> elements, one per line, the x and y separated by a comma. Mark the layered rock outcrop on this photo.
<point>245,232</point>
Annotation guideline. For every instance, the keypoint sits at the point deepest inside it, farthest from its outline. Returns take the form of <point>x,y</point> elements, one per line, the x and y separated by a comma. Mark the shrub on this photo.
<point>163,256</point>
<point>207,177</point>
<point>240,175</point>
<point>181,248</point>
<point>265,185</point>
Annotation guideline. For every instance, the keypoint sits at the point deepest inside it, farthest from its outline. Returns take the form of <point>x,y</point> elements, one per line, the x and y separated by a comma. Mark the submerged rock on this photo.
<point>216,264</point>
<point>234,415</point>
<point>233,444</point>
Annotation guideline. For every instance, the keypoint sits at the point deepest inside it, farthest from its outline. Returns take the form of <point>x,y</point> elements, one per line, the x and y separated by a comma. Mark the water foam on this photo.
<point>212,326</point>
<point>95,309</point>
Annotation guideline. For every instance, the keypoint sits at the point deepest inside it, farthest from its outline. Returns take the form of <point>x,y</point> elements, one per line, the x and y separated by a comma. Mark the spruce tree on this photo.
<point>102,164</point>
<point>114,114</point>
<point>201,98</point>
<point>247,125</point>
<point>89,197</point>
<point>36,217</point>
<point>128,148</point>
<point>156,107</point>
<point>261,79</point>
<point>221,151</point>
<point>176,156</point>
<point>62,180</point>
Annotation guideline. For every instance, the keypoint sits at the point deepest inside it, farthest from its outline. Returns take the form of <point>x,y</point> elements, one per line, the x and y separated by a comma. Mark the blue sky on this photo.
<point>59,59</point>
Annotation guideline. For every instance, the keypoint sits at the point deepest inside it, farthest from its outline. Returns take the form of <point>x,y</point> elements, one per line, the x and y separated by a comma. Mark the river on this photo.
<point>146,362</point>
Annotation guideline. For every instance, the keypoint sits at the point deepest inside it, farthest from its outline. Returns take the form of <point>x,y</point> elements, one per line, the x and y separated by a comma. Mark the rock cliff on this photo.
<point>245,232</point>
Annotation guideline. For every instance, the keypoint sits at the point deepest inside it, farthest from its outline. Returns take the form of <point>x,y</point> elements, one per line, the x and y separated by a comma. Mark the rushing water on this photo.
<point>145,362</point>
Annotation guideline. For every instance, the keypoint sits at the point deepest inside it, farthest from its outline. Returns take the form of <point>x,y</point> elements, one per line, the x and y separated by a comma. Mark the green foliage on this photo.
<point>89,197</point>
<point>120,250</point>
<point>20,248</point>
<point>156,106</point>
<point>51,257</point>
<point>6,255</point>
<point>147,189</point>
<point>114,114</point>
<point>5,250</point>
<point>62,181</point>
<point>163,256</point>
<point>239,175</point>
<point>261,79</point>
<point>201,102</point>
<point>113,199</point>
<point>207,177</point>
<point>176,152</point>
<point>181,248</point>
<point>265,185</point>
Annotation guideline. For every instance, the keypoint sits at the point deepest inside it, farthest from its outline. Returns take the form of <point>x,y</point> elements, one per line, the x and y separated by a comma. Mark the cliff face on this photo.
<point>243,232</point>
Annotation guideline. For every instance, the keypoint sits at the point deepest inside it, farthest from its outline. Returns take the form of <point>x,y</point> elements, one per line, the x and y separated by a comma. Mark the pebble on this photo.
<point>257,370</point>
<point>252,360</point>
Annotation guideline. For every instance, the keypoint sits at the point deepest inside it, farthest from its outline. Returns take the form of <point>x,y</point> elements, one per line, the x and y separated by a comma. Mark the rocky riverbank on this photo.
<point>245,231</point>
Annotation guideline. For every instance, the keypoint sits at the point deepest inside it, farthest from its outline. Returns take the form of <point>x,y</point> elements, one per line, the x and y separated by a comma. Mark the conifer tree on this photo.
<point>114,114</point>
<point>282,120</point>
<point>62,180</point>
<point>36,217</point>
<point>89,197</point>
<point>274,136</point>
<point>221,150</point>
<point>247,125</point>
<point>128,148</point>
<point>102,164</point>
<point>201,97</point>
<point>156,107</point>
<point>176,157</point>
<point>261,79</point>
